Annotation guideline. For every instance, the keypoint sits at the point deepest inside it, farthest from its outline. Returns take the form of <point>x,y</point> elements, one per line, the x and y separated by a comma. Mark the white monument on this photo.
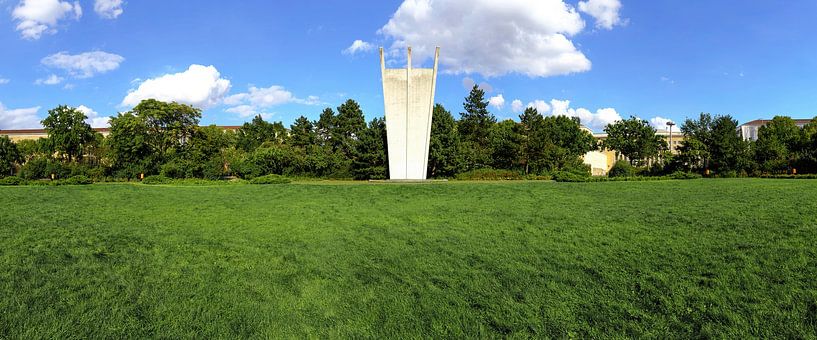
<point>409,98</point>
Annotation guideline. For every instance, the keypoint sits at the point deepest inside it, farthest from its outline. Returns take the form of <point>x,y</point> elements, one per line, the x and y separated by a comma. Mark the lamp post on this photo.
<point>671,148</point>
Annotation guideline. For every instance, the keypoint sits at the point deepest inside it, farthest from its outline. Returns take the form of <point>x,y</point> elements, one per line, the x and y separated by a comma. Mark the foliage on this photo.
<point>505,143</point>
<point>76,180</point>
<point>68,133</point>
<point>156,179</point>
<point>168,125</point>
<point>635,139</point>
<point>9,156</point>
<point>778,143</point>
<point>11,180</point>
<point>474,128</point>
<point>270,179</point>
<point>488,174</point>
<point>251,135</point>
<point>713,143</point>
<point>444,144</point>
<point>371,153</point>
<point>622,168</point>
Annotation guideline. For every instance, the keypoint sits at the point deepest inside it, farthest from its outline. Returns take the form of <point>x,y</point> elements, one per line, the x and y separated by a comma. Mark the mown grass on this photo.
<point>706,258</point>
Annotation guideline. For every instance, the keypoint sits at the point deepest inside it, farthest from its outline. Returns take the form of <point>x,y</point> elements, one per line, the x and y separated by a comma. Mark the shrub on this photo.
<point>684,175</point>
<point>622,168</point>
<point>152,180</point>
<point>489,174</point>
<point>36,168</point>
<point>12,180</point>
<point>567,176</point>
<point>270,179</point>
<point>75,180</point>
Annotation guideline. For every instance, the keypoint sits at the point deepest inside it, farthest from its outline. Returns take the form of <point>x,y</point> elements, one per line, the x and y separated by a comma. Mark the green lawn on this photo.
<point>703,258</point>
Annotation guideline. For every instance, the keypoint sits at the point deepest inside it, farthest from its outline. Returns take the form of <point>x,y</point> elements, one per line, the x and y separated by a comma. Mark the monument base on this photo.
<point>407,181</point>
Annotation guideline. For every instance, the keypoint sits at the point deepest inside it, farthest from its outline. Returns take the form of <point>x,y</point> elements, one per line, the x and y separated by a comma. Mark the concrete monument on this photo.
<point>409,99</point>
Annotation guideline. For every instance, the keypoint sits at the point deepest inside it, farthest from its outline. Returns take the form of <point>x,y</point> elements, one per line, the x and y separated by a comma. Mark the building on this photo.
<point>601,161</point>
<point>749,131</point>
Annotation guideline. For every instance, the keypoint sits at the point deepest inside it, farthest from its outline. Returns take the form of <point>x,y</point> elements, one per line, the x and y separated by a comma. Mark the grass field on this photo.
<point>703,258</point>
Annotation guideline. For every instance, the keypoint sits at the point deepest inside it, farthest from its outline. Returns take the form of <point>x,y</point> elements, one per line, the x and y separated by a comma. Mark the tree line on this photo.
<point>159,138</point>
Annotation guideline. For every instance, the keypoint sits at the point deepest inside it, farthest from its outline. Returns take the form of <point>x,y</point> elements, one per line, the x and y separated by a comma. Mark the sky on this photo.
<point>599,60</point>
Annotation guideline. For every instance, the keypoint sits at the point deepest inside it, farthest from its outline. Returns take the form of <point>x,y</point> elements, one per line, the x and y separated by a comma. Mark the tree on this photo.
<point>531,147</point>
<point>302,133</point>
<point>9,156</point>
<point>371,154</point>
<point>476,122</point>
<point>252,135</point>
<point>694,151</point>
<point>505,144</point>
<point>67,131</point>
<point>777,145</point>
<point>129,145</point>
<point>325,126</point>
<point>349,124</point>
<point>728,151</point>
<point>170,125</point>
<point>444,142</point>
<point>563,142</point>
<point>635,139</point>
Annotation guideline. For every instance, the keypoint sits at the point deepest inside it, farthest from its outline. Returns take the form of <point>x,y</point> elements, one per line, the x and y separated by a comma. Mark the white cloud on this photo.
<point>493,38</point>
<point>540,105</point>
<point>256,99</point>
<point>517,106</point>
<point>51,80</point>
<point>19,118</point>
<point>666,79</point>
<point>660,123</point>
<point>468,84</point>
<point>4,81</point>
<point>606,12</point>
<point>93,117</point>
<point>108,9</point>
<point>358,46</point>
<point>35,17</point>
<point>497,101</point>
<point>199,86</point>
<point>595,121</point>
<point>84,65</point>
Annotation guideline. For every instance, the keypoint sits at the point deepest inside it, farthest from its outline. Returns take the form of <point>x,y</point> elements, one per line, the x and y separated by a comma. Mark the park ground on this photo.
<point>679,259</point>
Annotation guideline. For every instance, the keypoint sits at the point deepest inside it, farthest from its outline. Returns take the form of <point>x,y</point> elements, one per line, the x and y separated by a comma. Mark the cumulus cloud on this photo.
<point>257,100</point>
<point>497,101</point>
<point>358,46</point>
<point>84,65</point>
<point>19,118</point>
<point>530,37</point>
<point>517,106</point>
<point>660,123</point>
<point>606,12</point>
<point>199,86</point>
<point>93,118</point>
<point>36,17</point>
<point>540,105</point>
<point>108,9</point>
<point>593,120</point>
<point>51,80</point>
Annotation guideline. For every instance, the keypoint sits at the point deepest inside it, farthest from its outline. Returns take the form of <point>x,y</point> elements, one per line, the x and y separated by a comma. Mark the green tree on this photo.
<point>325,126</point>
<point>349,124</point>
<point>777,145</point>
<point>444,142</point>
<point>694,151</point>
<point>476,122</point>
<point>9,156</point>
<point>129,145</point>
<point>635,139</point>
<point>563,142</point>
<point>505,144</point>
<point>302,133</point>
<point>68,132</point>
<point>257,132</point>
<point>727,150</point>
<point>531,144</point>
<point>169,125</point>
<point>371,154</point>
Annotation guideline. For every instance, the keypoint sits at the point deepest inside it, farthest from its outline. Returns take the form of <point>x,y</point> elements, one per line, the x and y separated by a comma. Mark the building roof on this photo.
<point>762,122</point>
<point>100,130</point>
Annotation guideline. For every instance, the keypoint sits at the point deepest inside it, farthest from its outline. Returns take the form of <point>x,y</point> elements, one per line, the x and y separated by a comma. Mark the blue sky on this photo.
<point>597,59</point>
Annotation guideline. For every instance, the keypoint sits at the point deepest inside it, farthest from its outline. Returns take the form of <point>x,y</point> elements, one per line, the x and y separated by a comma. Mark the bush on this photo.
<point>36,168</point>
<point>76,180</point>
<point>153,180</point>
<point>488,174</point>
<point>684,175</point>
<point>12,180</point>
<point>622,168</point>
<point>270,179</point>
<point>567,176</point>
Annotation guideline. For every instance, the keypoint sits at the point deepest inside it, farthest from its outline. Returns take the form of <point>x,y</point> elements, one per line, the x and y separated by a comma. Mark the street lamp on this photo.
<point>671,148</point>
